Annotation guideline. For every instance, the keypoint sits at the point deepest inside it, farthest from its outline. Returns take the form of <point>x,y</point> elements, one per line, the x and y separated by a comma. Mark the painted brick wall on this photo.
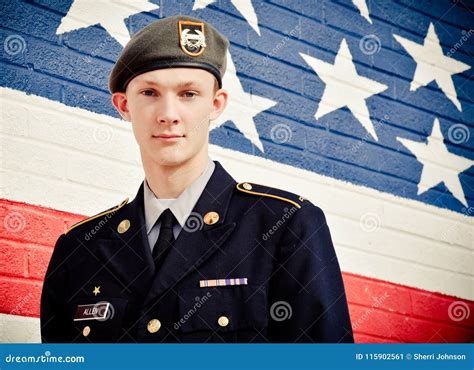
<point>65,154</point>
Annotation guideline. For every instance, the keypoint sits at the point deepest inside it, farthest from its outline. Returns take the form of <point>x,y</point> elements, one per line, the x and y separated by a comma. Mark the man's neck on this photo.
<point>168,182</point>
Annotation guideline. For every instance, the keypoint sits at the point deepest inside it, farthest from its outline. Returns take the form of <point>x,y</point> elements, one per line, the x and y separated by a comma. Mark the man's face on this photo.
<point>170,110</point>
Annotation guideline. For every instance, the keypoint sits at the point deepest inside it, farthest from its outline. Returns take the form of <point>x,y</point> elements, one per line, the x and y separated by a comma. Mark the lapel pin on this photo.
<point>96,290</point>
<point>210,218</point>
<point>123,226</point>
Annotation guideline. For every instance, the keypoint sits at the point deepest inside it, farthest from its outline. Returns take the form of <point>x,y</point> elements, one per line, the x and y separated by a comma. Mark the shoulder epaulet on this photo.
<point>264,191</point>
<point>113,209</point>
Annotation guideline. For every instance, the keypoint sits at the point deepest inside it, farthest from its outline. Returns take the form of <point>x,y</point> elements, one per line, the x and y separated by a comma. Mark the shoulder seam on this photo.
<point>238,186</point>
<point>116,208</point>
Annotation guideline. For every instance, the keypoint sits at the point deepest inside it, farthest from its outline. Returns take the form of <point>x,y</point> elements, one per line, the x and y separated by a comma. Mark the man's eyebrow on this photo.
<point>187,84</point>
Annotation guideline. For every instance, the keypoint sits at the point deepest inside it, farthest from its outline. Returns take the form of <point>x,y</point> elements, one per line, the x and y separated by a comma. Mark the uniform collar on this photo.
<point>181,206</point>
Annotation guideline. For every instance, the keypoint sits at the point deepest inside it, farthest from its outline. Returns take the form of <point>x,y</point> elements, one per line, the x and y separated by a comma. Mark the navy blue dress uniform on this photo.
<point>259,267</point>
<point>243,263</point>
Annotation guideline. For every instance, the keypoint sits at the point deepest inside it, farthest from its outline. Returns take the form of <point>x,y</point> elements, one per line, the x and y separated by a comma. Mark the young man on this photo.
<point>196,256</point>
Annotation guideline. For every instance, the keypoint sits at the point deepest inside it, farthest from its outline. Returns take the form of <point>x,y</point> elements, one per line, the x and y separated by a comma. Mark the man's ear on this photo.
<point>220,102</point>
<point>120,102</point>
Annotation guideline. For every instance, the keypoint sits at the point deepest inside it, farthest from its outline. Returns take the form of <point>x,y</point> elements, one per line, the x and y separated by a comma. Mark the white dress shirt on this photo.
<point>181,207</point>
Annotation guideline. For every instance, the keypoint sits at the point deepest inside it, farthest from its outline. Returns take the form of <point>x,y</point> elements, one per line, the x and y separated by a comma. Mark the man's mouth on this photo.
<point>168,136</point>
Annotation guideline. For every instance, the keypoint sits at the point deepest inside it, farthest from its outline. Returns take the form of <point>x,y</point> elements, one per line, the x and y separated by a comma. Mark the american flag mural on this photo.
<point>365,107</point>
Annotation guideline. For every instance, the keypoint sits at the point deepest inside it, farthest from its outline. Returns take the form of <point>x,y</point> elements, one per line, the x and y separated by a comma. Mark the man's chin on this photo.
<point>169,160</point>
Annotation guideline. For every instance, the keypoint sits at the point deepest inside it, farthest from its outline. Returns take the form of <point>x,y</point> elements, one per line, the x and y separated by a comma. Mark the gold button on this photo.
<point>223,321</point>
<point>123,226</point>
<point>86,331</point>
<point>153,326</point>
<point>210,218</point>
<point>247,186</point>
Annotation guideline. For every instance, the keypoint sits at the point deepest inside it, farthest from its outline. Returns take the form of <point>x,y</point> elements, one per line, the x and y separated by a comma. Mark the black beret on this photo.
<point>172,42</point>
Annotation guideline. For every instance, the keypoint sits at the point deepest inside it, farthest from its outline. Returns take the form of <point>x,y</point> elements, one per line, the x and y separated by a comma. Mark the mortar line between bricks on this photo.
<point>18,279</point>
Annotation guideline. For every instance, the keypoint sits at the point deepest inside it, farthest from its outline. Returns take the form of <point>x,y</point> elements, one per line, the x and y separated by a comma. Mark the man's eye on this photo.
<point>189,94</point>
<point>148,92</point>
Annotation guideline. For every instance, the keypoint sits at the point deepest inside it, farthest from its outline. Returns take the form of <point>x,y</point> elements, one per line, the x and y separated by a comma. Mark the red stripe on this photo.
<point>381,312</point>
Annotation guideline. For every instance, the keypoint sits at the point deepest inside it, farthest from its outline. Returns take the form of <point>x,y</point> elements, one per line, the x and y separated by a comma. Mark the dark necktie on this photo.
<point>165,238</point>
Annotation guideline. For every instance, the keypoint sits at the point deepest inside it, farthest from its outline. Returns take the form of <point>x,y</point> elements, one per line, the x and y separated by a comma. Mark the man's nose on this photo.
<point>168,112</point>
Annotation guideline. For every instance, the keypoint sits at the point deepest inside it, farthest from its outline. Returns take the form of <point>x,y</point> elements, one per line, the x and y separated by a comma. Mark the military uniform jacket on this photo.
<point>263,270</point>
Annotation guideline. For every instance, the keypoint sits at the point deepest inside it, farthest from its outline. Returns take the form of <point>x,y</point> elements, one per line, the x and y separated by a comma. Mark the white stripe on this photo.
<point>50,146</point>
<point>19,329</point>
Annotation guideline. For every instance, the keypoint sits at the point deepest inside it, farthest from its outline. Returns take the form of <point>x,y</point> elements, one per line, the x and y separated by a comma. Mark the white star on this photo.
<point>439,165</point>
<point>433,65</point>
<point>109,14</point>
<point>344,87</point>
<point>242,107</point>
<point>245,8</point>
<point>363,9</point>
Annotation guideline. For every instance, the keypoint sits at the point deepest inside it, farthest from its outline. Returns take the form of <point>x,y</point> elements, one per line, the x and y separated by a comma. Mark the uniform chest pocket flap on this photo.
<point>223,309</point>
